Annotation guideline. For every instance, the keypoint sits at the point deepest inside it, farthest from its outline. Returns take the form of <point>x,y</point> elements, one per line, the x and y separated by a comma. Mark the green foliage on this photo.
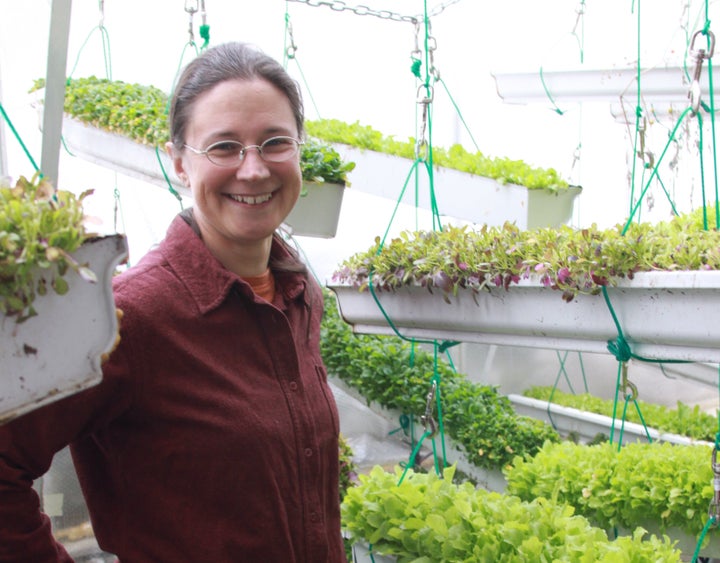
<point>504,170</point>
<point>570,260</point>
<point>670,485</point>
<point>133,110</point>
<point>429,519</point>
<point>683,420</point>
<point>140,113</point>
<point>39,228</point>
<point>320,162</point>
<point>397,375</point>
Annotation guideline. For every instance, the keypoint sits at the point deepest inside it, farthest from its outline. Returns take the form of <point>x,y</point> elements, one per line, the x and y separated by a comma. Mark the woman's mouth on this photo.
<point>251,199</point>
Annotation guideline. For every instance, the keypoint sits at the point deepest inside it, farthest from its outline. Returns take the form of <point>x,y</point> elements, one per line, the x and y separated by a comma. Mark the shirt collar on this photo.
<point>206,279</point>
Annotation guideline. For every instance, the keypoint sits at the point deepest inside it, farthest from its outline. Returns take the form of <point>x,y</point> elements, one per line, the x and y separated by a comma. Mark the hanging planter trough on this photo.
<point>459,195</point>
<point>57,352</point>
<point>663,315</point>
<point>120,153</point>
<point>317,211</point>
<point>587,425</point>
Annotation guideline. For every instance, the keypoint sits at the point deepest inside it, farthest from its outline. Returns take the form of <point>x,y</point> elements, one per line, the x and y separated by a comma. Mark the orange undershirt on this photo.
<point>263,285</point>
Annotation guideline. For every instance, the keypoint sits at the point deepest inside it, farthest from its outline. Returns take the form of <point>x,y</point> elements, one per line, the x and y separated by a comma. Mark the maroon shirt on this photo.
<point>213,436</point>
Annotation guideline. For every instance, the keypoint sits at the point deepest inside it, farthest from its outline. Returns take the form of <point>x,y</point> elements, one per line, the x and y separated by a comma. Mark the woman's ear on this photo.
<point>176,157</point>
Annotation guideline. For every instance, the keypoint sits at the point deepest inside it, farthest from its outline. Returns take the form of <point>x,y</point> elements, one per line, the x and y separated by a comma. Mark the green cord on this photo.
<point>17,136</point>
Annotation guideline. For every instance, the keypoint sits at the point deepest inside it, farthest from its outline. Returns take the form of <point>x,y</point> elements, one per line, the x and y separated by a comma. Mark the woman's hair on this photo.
<point>228,61</point>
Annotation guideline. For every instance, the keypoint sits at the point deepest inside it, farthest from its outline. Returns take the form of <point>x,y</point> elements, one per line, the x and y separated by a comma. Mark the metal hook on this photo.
<point>203,12</point>
<point>427,419</point>
<point>191,11</point>
<point>699,55</point>
<point>101,7</point>
<point>714,510</point>
<point>626,383</point>
<point>292,48</point>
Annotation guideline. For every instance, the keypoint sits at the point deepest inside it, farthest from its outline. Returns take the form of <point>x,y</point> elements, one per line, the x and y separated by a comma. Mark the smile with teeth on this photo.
<point>251,199</point>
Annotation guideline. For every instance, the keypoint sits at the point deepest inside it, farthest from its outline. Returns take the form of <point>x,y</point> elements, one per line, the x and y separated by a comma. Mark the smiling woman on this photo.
<point>215,406</point>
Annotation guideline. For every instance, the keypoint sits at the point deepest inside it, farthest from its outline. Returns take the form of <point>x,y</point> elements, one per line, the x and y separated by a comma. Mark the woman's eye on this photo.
<point>278,142</point>
<point>225,147</point>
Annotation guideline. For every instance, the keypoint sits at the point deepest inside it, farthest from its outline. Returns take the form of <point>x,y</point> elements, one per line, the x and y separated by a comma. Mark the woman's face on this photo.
<point>244,203</point>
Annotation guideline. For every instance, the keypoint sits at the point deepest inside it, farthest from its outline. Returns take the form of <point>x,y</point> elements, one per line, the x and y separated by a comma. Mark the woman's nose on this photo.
<point>252,164</point>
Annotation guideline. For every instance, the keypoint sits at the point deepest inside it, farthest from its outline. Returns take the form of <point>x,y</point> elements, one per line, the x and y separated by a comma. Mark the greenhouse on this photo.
<point>474,244</point>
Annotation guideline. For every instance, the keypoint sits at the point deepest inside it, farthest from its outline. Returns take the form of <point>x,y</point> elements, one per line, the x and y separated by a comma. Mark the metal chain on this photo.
<point>361,10</point>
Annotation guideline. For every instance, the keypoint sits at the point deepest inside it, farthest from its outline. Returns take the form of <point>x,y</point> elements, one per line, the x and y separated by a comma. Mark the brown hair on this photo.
<point>228,61</point>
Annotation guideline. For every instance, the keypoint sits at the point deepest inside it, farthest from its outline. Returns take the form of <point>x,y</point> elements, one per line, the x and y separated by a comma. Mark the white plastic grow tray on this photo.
<point>458,194</point>
<point>120,153</point>
<point>663,315</point>
<point>57,352</point>
<point>587,425</point>
<point>316,213</point>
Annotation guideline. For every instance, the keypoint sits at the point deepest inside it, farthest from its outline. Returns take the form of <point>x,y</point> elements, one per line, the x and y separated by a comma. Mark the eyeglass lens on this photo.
<point>275,149</point>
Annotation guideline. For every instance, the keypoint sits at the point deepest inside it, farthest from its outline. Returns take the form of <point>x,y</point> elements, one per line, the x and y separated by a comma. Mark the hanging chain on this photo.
<point>191,7</point>
<point>425,94</point>
<point>361,10</point>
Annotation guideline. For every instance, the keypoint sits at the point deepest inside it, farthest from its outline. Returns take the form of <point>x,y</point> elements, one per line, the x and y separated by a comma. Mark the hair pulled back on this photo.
<point>223,62</point>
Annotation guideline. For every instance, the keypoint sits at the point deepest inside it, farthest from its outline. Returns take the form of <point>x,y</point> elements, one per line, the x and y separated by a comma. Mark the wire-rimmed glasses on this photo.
<point>231,153</point>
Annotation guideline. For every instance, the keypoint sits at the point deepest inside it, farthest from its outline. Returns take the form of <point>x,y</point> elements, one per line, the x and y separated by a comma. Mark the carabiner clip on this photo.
<point>699,55</point>
<point>427,420</point>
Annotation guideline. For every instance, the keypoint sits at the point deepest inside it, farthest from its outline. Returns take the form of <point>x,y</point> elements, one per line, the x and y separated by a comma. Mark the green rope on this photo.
<point>563,371</point>
<point>457,110</point>
<point>17,136</point>
<point>620,347</point>
<point>413,455</point>
<point>696,554</point>
<point>636,206</point>
<point>549,95</point>
<point>105,38</point>
<point>171,189</point>
<point>289,54</point>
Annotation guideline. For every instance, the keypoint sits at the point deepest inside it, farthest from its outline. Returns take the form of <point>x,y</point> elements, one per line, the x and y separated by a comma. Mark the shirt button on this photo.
<point>308,452</point>
<point>293,386</point>
<point>314,517</point>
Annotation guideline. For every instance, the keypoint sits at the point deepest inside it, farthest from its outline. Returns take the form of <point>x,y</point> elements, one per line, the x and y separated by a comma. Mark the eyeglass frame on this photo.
<point>244,149</point>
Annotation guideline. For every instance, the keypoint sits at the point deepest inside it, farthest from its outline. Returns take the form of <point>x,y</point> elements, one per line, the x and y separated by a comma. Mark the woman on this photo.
<point>214,434</point>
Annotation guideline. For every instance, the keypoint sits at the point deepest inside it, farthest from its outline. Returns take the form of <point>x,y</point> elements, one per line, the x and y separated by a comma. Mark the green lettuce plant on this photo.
<point>39,229</point>
<point>504,170</point>
<point>571,260</point>
<point>320,163</point>
<point>397,375</point>
<point>422,518</point>
<point>640,484</point>
<point>683,420</point>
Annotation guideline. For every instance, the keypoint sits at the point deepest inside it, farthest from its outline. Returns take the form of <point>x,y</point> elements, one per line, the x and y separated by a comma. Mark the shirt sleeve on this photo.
<point>27,447</point>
